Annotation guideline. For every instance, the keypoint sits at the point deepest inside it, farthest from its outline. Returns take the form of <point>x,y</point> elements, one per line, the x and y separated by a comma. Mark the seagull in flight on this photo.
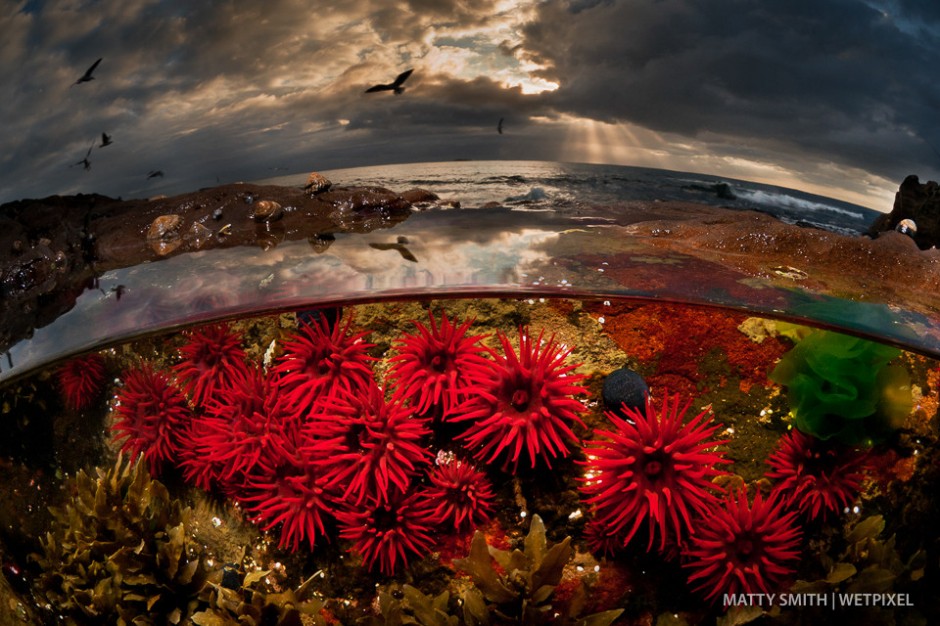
<point>87,76</point>
<point>85,162</point>
<point>154,174</point>
<point>395,86</point>
<point>105,140</point>
<point>499,127</point>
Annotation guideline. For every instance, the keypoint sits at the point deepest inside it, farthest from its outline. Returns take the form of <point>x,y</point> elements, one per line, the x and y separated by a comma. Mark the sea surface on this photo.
<point>544,184</point>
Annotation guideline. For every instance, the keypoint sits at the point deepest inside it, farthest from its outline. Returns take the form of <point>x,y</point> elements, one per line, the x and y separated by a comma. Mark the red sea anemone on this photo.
<point>524,404</point>
<point>319,363</point>
<point>388,533</point>
<point>433,369</point>
<point>744,549</point>
<point>213,361</point>
<point>817,477</point>
<point>652,468</point>
<point>460,496</point>
<point>81,380</point>
<point>290,489</point>
<point>372,447</point>
<point>151,416</point>
<point>238,429</point>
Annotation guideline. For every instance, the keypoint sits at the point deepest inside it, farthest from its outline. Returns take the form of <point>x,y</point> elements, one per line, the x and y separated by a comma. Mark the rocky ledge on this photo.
<point>920,204</point>
<point>52,249</point>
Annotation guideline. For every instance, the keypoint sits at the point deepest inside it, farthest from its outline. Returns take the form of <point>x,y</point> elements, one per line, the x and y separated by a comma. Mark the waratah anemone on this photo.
<point>652,468</point>
<point>151,416</point>
<point>433,369</point>
<point>372,447</point>
<point>460,496</point>
<point>238,428</point>
<point>525,405</point>
<point>319,364</point>
<point>213,361</point>
<point>81,380</point>
<point>388,533</point>
<point>817,477</point>
<point>743,549</point>
<point>289,488</point>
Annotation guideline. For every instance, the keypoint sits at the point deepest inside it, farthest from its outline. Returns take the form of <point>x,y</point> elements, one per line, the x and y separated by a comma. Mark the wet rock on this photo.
<point>417,195</point>
<point>321,242</point>
<point>51,249</point>
<point>317,183</point>
<point>364,209</point>
<point>918,202</point>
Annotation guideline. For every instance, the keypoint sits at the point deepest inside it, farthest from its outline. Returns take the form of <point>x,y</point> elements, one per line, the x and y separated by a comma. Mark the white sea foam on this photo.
<point>787,201</point>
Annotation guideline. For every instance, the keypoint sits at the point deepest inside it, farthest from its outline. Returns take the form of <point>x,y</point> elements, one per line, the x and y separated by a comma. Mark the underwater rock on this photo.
<point>624,387</point>
<point>916,201</point>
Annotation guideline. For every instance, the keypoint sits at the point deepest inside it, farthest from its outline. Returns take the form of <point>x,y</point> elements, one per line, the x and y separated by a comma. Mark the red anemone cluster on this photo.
<point>652,468</point>
<point>315,444</point>
<point>316,448</point>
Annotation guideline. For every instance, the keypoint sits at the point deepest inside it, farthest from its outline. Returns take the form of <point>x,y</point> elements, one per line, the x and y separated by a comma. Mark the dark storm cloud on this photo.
<point>839,79</point>
<point>238,89</point>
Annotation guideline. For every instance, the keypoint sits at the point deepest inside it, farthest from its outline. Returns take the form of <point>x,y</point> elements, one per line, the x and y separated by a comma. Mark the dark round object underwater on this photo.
<point>330,314</point>
<point>231,578</point>
<point>624,386</point>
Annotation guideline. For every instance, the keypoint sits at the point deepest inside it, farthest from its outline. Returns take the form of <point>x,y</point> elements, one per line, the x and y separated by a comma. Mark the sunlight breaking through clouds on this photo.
<point>678,85</point>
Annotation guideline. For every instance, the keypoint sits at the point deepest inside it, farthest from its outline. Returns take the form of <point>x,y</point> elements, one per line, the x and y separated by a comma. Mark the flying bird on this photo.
<point>87,76</point>
<point>499,127</point>
<point>395,86</point>
<point>85,162</point>
<point>154,174</point>
<point>105,140</point>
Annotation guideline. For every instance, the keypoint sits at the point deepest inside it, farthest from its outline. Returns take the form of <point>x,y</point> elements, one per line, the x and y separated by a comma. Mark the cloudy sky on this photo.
<point>838,97</point>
